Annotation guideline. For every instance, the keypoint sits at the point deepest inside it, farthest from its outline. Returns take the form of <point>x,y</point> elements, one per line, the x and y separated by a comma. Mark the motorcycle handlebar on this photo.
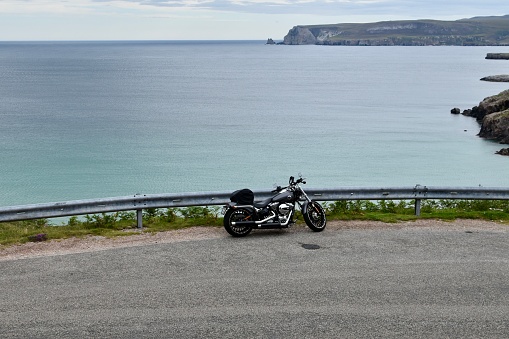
<point>293,182</point>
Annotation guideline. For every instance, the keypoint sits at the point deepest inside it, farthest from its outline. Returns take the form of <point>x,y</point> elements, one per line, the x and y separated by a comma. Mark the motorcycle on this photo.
<point>242,214</point>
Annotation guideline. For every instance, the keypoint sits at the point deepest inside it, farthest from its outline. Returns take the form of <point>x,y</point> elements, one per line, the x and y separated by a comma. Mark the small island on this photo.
<point>498,56</point>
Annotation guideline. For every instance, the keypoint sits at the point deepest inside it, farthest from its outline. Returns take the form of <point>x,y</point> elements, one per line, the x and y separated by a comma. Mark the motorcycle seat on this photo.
<point>263,203</point>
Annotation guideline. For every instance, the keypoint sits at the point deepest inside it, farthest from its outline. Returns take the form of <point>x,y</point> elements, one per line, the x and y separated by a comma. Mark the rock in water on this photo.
<point>497,78</point>
<point>503,151</point>
<point>503,56</point>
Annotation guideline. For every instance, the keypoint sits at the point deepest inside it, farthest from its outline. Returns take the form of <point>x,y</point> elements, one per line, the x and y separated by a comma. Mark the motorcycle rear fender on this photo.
<point>250,208</point>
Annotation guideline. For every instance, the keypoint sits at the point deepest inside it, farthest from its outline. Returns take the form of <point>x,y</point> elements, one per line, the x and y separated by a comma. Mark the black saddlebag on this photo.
<point>243,197</point>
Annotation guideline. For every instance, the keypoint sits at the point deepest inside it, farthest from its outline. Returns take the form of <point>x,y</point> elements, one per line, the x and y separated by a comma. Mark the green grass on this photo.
<point>158,220</point>
<point>110,225</point>
<point>394,211</point>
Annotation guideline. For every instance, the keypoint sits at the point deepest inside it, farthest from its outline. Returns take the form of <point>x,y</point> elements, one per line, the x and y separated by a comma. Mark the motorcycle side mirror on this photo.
<point>291,180</point>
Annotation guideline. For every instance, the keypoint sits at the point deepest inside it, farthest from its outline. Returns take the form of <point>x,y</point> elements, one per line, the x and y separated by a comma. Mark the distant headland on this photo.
<point>477,31</point>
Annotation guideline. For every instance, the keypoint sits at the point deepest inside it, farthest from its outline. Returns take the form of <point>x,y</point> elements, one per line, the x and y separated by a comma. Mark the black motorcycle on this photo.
<point>243,214</point>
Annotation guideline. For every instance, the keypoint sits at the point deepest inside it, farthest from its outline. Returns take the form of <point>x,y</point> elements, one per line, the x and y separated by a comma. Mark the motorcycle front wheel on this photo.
<point>234,215</point>
<point>314,216</point>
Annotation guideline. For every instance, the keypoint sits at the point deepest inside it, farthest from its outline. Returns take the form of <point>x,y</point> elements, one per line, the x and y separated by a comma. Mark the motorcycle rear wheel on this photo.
<point>315,217</point>
<point>233,215</point>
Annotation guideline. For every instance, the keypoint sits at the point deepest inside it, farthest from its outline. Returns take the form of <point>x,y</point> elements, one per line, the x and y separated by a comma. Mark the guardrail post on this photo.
<point>417,207</point>
<point>139,218</point>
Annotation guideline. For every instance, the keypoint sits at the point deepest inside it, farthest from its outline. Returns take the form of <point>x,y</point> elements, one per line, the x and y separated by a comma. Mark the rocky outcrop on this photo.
<point>496,126</point>
<point>497,78</point>
<point>503,56</point>
<point>493,115</point>
<point>503,151</point>
<point>299,35</point>
<point>270,42</point>
<point>493,104</point>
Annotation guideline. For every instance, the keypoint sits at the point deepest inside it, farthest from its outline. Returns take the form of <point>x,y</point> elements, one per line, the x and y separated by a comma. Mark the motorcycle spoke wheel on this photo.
<point>234,215</point>
<point>315,217</point>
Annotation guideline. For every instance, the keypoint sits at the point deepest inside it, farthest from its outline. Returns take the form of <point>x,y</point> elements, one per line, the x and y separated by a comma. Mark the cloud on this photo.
<point>45,6</point>
<point>390,8</point>
<point>342,8</point>
<point>264,6</point>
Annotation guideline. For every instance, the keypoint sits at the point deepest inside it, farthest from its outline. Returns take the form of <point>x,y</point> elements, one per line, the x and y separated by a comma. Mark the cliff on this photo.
<point>478,31</point>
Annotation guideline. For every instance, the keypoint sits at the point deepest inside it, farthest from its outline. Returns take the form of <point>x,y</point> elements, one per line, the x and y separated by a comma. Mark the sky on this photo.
<point>22,20</point>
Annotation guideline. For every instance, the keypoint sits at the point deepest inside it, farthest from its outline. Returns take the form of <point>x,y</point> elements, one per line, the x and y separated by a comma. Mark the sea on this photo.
<point>95,119</point>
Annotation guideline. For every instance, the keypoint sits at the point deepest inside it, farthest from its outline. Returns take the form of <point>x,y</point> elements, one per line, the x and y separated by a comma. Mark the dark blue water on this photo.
<point>97,119</point>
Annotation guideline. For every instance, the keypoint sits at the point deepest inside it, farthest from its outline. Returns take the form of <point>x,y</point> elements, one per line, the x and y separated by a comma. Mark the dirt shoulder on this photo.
<point>96,243</point>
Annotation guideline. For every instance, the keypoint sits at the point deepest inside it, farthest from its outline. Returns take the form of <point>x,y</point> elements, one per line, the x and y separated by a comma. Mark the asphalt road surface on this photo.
<point>354,283</point>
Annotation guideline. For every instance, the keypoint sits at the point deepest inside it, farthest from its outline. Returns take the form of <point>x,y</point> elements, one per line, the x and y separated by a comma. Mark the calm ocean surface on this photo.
<point>101,119</point>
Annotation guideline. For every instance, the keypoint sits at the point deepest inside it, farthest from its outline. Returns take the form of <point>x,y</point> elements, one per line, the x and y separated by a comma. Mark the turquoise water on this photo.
<point>99,119</point>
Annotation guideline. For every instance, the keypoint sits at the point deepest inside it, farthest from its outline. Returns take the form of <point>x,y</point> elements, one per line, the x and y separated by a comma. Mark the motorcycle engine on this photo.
<point>264,213</point>
<point>285,209</point>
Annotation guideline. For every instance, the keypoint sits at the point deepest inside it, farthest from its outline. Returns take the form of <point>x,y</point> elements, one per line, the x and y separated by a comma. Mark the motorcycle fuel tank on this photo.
<point>283,197</point>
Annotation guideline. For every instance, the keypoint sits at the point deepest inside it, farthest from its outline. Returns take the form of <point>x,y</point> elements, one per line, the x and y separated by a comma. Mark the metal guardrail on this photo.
<point>139,202</point>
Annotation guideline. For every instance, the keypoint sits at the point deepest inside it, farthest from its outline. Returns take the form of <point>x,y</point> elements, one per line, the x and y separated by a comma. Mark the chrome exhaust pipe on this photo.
<point>253,223</point>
